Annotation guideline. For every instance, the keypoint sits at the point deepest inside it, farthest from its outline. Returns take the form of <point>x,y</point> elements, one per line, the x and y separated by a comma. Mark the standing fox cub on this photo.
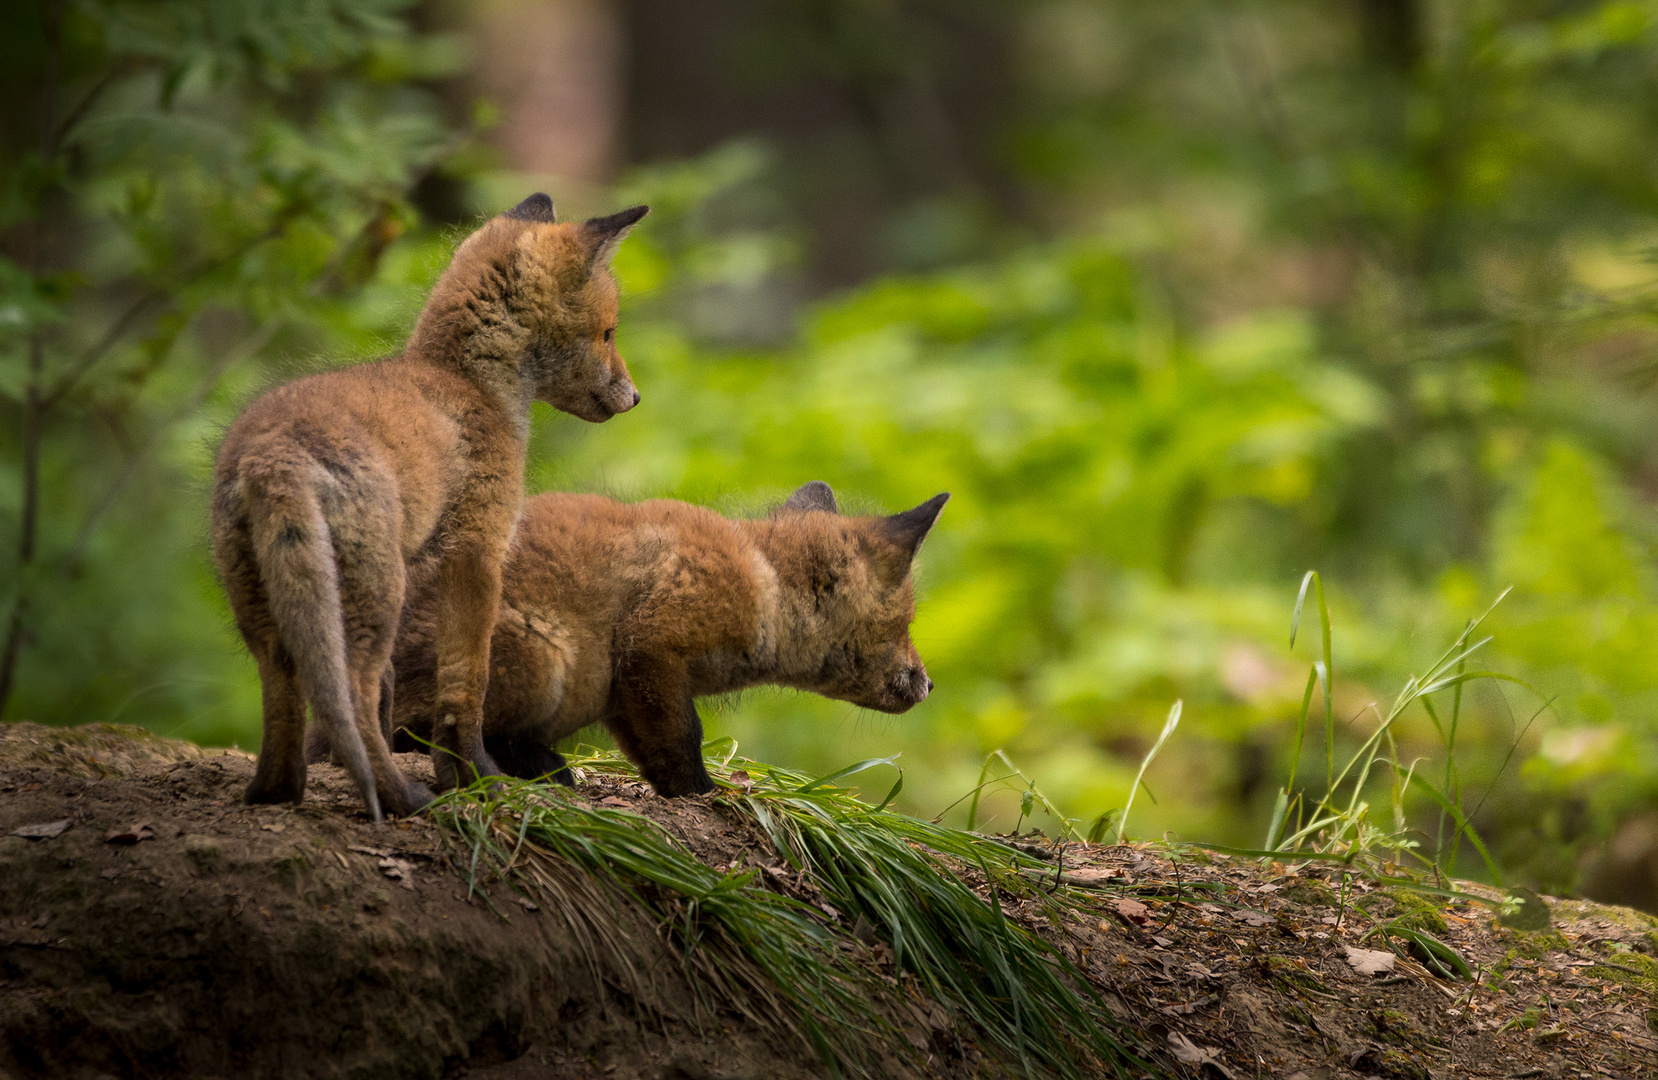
<point>622,614</point>
<point>327,488</point>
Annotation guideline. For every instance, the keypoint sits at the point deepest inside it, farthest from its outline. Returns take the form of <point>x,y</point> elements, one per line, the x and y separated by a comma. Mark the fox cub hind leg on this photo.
<point>280,774</point>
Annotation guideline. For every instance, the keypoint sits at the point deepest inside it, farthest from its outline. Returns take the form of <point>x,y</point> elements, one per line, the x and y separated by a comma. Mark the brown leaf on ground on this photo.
<point>1132,910</point>
<point>138,830</point>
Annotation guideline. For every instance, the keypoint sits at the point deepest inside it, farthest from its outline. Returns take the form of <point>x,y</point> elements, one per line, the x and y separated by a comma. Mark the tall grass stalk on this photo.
<point>1169,725</point>
<point>1341,824</point>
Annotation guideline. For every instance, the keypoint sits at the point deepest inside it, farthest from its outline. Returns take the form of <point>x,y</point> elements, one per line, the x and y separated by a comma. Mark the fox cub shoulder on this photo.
<point>624,614</point>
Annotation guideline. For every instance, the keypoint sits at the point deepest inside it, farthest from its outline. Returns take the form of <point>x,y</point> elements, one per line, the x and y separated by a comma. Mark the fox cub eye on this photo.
<point>609,334</point>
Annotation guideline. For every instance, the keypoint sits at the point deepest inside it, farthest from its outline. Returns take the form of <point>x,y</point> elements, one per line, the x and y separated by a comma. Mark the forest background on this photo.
<point>1179,300</point>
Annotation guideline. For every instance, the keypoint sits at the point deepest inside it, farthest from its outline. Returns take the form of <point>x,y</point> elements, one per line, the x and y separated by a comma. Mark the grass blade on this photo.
<point>1168,729</point>
<point>868,763</point>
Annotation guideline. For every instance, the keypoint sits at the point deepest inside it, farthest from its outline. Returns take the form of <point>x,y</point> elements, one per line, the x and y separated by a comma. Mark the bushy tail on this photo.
<point>292,542</point>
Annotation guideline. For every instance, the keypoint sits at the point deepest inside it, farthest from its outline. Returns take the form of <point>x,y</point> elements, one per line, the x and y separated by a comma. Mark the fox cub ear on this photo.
<point>908,529</point>
<point>815,495</point>
<point>604,234</point>
<point>537,207</point>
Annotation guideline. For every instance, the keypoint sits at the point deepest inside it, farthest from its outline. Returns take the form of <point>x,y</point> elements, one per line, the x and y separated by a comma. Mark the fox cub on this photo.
<point>623,614</point>
<point>326,489</point>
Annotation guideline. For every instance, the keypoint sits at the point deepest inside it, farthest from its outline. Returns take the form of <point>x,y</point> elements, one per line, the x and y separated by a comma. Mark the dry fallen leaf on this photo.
<point>380,851</point>
<point>44,831</point>
<point>399,871</point>
<point>527,904</point>
<point>612,800</point>
<point>1252,917</point>
<point>1191,1053</point>
<point>1090,876</point>
<point>1370,961</point>
<point>1132,910</point>
<point>138,830</point>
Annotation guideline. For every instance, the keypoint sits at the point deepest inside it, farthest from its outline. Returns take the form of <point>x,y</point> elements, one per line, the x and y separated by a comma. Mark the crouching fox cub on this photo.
<point>622,614</point>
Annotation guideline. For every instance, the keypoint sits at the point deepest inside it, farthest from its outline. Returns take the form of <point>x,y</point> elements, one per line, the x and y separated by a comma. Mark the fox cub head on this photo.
<point>862,598</point>
<point>529,303</point>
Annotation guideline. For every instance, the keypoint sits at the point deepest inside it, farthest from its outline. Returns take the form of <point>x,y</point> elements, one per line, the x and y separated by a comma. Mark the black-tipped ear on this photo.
<point>813,496</point>
<point>537,207</point>
<point>908,529</point>
<point>606,233</point>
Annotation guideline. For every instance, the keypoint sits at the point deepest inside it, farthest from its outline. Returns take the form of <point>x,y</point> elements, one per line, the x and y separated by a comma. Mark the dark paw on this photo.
<point>687,783</point>
<point>408,800</point>
<point>480,765</point>
<point>267,790</point>
<point>444,775</point>
<point>451,770</point>
<point>529,759</point>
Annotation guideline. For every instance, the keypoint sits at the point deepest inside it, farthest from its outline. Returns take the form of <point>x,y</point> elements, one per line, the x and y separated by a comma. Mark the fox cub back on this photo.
<point>623,614</point>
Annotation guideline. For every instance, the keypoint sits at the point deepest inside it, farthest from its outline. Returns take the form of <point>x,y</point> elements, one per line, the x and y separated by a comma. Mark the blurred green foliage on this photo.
<point>1366,288</point>
<point>185,187</point>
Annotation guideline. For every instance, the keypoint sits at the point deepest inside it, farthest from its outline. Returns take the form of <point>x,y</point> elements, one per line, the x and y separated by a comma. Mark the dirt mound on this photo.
<point>152,926</point>
<point>283,941</point>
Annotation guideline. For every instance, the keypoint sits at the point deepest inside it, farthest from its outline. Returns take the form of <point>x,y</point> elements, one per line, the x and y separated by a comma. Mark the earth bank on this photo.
<point>152,926</point>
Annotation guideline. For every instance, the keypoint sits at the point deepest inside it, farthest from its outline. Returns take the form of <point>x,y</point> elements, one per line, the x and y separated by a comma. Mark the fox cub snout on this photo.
<point>624,614</point>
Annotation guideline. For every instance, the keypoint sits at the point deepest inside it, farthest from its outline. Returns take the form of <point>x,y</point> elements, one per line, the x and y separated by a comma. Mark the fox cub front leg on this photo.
<point>469,594</point>
<point>654,720</point>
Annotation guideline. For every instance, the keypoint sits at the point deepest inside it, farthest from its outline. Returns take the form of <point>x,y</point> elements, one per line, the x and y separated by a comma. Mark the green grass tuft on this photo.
<point>778,960</point>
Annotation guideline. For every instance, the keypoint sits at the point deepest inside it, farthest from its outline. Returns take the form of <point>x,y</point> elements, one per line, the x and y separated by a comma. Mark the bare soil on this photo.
<point>170,931</point>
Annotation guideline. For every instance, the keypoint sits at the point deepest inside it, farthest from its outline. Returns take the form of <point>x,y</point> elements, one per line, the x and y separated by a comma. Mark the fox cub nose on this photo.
<point>635,398</point>
<point>915,685</point>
